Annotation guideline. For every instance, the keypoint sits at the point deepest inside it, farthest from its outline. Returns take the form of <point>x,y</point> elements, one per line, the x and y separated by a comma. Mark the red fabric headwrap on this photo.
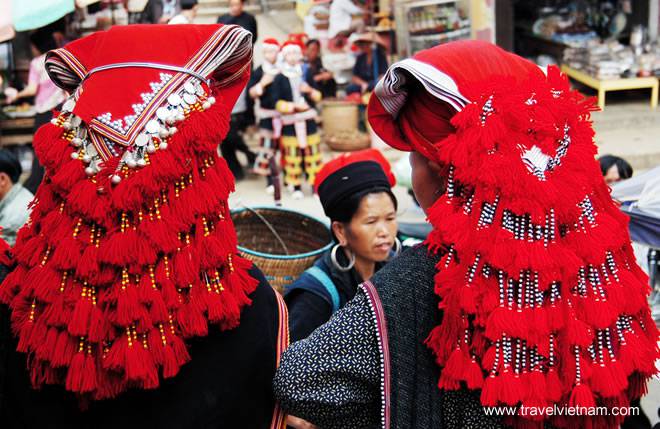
<point>130,248</point>
<point>343,160</point>
<point>543,302</point>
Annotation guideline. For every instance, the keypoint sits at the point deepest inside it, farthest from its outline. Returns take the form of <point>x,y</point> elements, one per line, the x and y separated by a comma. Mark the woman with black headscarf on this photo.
<point>355,191</point>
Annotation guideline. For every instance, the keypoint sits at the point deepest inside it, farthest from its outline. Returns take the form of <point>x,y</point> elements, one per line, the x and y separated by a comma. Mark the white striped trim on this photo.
<point>392,93</point>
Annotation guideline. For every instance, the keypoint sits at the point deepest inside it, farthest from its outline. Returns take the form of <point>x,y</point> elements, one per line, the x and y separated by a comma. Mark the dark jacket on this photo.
<point>328,88</point>
<point>244,20</point>
<point>153,11</point>
<point>370,73</point>
<point>308,300</point>
<point>372,353</point>
<point>225,385</point>
<point>266,101</point>
<point>282,91</point>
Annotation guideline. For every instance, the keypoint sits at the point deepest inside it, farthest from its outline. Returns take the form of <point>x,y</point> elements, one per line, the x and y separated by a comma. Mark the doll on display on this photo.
<point>270,126</point>
<point>300,141</point>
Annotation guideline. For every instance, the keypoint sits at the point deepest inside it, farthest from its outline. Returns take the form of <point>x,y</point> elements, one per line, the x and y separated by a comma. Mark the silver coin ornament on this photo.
<point>189,99</point>
<point>174,99</point>
<point>142,140</point>
<point>152,127</point>
<point>163,113</point>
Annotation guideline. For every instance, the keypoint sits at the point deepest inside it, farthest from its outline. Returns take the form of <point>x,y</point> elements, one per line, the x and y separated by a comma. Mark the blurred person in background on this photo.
<point>356,194</point>
<point>371,63</point>
<point>238,16</point>
<point>315,74</point>
<point>187,14</point>
<point>234,141</point>
<point>614,169</point>
<point>341,19</point>
<point>260,88</point>
<point>46,95</point>
<point>160,11</point>
<point>14,198</point>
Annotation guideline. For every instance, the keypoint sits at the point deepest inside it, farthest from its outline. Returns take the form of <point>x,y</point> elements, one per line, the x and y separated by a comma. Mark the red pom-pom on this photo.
<point>474,376</point>
<point>67,253</point>
<point>490,393</point>
<point>81,376</point>
<point>65,348</point>
<point>513,390</point>
<point>554,390</point>
<point>79,324</point>
<point>581,396</point>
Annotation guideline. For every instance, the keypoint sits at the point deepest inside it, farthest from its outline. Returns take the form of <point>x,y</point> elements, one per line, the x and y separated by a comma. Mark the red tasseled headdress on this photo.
<point>130,249</point>
<point>543,302</point>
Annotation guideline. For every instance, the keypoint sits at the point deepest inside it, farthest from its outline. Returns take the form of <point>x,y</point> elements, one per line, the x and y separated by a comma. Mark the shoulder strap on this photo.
<point>327,283</point>
<point>278,420</point>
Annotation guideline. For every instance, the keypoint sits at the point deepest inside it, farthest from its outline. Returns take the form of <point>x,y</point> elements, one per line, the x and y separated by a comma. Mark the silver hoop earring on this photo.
<point>333,257</point>
<point>397,247</point>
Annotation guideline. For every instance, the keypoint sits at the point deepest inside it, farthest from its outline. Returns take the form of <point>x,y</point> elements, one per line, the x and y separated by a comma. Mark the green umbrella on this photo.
<point>28,15</point>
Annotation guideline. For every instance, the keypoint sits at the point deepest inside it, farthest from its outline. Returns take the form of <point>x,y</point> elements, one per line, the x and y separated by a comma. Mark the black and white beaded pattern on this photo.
<point>332,378</point>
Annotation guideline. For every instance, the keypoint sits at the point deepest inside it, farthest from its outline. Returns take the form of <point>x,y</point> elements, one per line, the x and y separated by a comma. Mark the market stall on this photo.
<point>604,85</point>
<point>431,22</point>
<point>603,45</point>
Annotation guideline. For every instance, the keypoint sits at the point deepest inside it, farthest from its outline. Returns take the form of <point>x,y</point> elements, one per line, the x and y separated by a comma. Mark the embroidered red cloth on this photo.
<point>130,249</point>
<point>543,302</point>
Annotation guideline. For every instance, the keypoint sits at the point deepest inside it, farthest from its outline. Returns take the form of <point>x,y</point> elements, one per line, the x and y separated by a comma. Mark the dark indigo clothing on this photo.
<point>365,71</point>
<point>225,385</point>
<point>331,378</point>
<point>266,100</point>
<point>328,88</point>
<point>233,143</point>
<point>328,378</point>
<point>244,20</point>
<point>309,303</point>
<point>153,11</point>
<point>282,91</point>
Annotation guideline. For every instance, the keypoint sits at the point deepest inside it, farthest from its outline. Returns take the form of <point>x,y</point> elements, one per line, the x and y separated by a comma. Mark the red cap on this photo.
<point>346,159</point>
<point>271,42</point>
<point>291,45</point>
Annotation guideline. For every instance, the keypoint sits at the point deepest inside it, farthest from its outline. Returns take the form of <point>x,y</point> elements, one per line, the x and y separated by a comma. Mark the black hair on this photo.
<point>311,42</point>
<point>10,165</point>
<point>43,40</point>
<point>624,168</point>
<point>346,209</point>
<point>188,4</point>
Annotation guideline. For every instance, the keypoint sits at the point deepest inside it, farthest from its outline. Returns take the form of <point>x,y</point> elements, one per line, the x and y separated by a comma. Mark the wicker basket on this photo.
<point>339,116</point>
<point>282,243</point>
<point>348,141</point>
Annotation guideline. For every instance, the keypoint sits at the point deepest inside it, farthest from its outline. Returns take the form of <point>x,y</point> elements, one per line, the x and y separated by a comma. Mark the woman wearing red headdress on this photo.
<point>525,294</point>
<point>356,194</point>
<point>129,304</point>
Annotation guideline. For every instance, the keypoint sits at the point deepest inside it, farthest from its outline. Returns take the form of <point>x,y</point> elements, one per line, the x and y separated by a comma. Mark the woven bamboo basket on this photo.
<point>347,141</point>
<point>282,243</point>
<point>339,116</point>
